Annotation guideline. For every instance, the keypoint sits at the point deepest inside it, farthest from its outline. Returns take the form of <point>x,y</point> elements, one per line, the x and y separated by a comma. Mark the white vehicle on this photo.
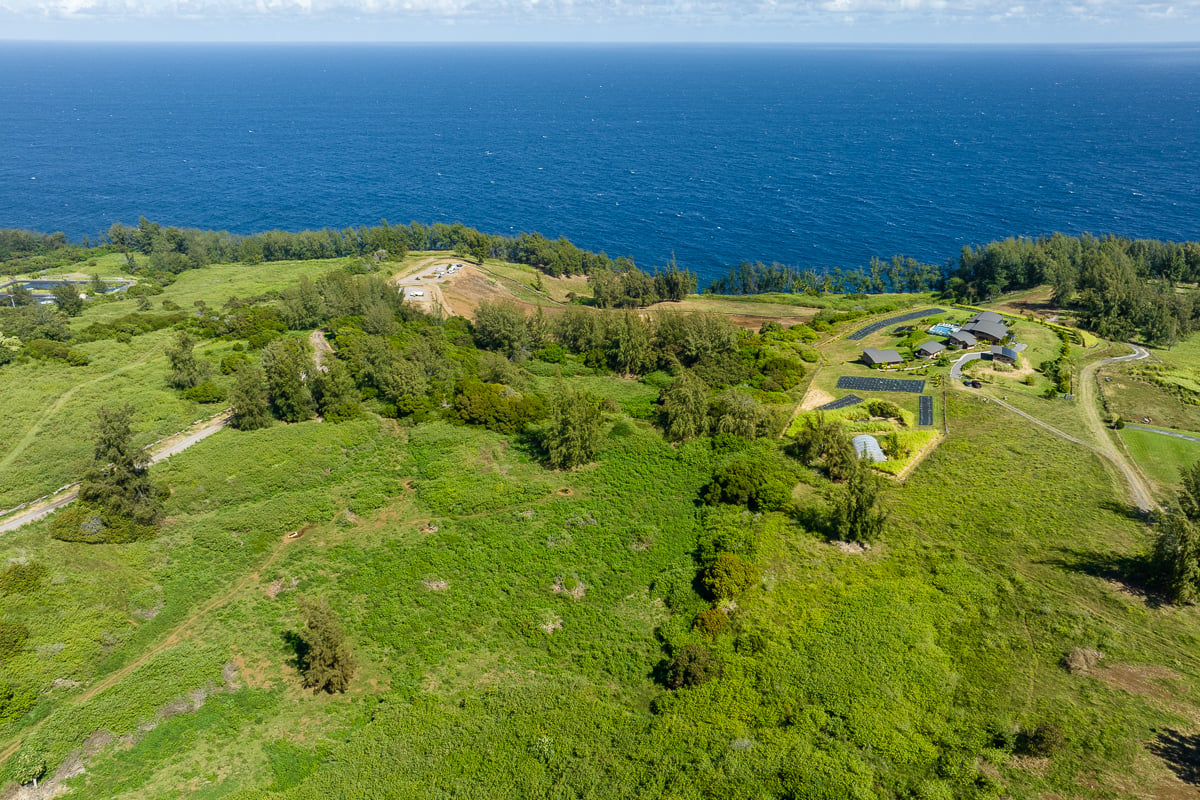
<point>415,293</point>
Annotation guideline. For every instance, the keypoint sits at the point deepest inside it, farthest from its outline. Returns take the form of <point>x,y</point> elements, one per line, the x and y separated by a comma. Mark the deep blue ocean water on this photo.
<point>806,155</point>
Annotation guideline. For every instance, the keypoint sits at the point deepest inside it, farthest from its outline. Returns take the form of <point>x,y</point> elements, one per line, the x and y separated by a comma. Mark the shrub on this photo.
<point>12,638</point>
<point>729,575</point>
<point>206,392</point>
<point>758,485</point>
<point>21,578</point>
<point>710,622</point>
<point>231,361</point>
<point>693,665</point>
<point>15,703</point>
<point>83,522</point>
<point>884,408</point>
<point>1046,739</point>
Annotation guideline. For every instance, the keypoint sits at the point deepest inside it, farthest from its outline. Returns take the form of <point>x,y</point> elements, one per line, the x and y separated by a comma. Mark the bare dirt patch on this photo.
<point>1082,660</point>
<point>1145,680</point>
<point>279,585</point>
<point>566,491</point>
<point>552,623</point>
<point>816,398</point>
<point>852,548</point>
<point>435,584</point>
<point>571,587</point>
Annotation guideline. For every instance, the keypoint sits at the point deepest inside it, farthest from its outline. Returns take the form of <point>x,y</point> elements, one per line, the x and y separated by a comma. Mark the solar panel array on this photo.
<point>857,384</point>
<point>845,402</point>
<point>924,410</point>
<point>863,333</point>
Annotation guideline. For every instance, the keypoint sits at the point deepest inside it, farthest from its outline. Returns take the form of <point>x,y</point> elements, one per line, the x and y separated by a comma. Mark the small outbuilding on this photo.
<point>1004,355</point>
<point>930,349</point>
<point>867,446</point>
<point>962,340</point>
<point>874,357</point>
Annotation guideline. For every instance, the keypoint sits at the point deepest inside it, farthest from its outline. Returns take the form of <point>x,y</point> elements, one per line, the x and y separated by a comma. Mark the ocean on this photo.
<point>811,156</point>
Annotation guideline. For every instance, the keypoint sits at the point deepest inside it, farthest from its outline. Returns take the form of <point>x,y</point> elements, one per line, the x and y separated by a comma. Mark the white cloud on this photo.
<point>703,19</point>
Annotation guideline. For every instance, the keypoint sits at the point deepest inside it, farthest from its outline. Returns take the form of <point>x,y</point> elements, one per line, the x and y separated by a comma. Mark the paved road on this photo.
<point>957,367</point>
<point>1164,433</point>
<point>167,448</point>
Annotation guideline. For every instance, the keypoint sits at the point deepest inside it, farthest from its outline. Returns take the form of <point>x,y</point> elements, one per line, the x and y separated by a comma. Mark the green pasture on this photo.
<point>1160,457</point>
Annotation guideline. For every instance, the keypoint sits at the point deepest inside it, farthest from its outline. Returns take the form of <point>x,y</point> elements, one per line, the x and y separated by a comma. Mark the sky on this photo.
<point>830,21</point>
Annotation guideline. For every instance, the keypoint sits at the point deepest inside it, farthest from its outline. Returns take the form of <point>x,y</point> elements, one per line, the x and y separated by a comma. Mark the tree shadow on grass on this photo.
<point>299,649</point>
<point>1127,510</point>
<point>1181,752</point>
<point>1135,574</point>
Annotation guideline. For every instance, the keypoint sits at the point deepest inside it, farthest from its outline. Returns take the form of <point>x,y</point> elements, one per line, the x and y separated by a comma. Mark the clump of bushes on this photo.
<point>47,349</point>
<point>21,578</point>
<point>729,575</point>
<point>693,665</point>
<point>758,484</point>
<point>12,638</point>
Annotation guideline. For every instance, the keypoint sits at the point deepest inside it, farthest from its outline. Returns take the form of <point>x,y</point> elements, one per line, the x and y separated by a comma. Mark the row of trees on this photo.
<point>1121,288</point>
<point>900,274</point>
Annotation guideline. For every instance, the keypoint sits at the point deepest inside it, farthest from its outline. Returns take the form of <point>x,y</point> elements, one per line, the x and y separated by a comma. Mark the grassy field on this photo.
<point>1160,457</point>
<point>511,622</point>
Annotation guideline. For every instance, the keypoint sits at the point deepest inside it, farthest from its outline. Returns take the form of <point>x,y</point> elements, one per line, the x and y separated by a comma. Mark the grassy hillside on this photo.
<point>513,624</point>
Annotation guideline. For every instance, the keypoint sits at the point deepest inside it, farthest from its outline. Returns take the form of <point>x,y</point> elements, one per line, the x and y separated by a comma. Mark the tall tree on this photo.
<point>186,369</point>
<point>335,393</point>
<point>685,407</point>
<point>118,479</point>
<point>856,513</point>
<point>500,326</point>
<point>326,664</point>
<point>289,367</point>
<point>573,433</point>
<point>66,295</point>
<point>251,404</point>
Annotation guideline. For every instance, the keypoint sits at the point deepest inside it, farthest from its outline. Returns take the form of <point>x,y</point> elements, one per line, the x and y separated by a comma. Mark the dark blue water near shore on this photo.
<point>810,156</point>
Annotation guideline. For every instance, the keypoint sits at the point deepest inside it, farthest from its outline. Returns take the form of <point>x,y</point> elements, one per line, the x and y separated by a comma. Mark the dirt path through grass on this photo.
<point>172,638</point>
<point>1139,488</point>
<point>57,405</point>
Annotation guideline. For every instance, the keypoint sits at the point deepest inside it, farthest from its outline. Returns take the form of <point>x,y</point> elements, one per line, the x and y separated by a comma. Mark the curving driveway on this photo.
<point>957,367</point>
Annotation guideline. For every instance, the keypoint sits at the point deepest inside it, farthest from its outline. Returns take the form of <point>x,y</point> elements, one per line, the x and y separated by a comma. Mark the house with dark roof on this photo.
<point>874,357</point>
<point>993,332</point>
<point>1004,355</point>
<point>986,316</point>
<point>930,349</point>
<point>962,340</point>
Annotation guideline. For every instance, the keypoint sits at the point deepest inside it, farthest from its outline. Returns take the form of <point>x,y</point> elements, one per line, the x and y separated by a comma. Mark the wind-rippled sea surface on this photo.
<point>815,157</point>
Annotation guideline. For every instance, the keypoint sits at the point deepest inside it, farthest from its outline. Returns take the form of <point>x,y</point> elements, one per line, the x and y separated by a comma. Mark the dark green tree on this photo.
<point>335,393</point>
<point>118,480</point>
<point>66,295</point>
<point>692,665</point>
<point>289,368</point>
<point>500,326</point>
<point>251,404</point>
<point>629,350</point>
<point>186,369</point>
<point>20,294</point>
<point>685,407</point>
<point>573,432</point>
<point>324,658</point>
<point>856,515</point>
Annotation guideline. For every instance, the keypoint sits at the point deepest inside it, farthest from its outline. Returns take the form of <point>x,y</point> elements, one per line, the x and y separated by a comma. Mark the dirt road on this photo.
<point>1139,488</point>
<point>160,451</point>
